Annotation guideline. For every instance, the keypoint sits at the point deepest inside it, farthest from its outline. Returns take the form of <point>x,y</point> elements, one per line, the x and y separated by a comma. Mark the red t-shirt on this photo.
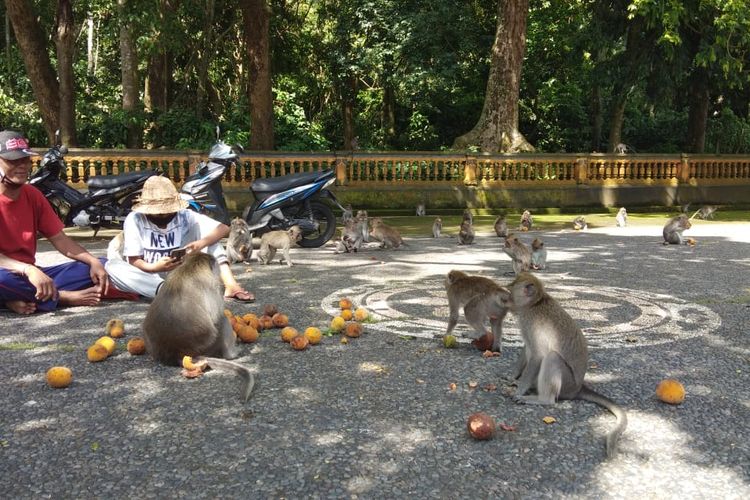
<point>20,220</point>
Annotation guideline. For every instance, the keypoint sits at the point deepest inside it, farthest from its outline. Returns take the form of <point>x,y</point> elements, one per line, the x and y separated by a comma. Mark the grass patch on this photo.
<point>18,346</point>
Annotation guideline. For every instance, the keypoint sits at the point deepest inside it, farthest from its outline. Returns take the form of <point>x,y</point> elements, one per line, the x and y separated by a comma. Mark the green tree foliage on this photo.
<point>413,71</point>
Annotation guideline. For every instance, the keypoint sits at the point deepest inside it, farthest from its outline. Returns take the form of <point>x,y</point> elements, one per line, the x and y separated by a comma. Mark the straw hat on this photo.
<point>159,196</point>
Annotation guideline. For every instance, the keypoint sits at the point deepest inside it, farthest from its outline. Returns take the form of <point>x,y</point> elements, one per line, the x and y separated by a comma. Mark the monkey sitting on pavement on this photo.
<point>351,238</point>
<point>482,299</point>
<point>555,354</point>
<point>388,236</point>
<point>518,252</point>
<point>526,221</point>
<point>240,241</point>
<point>466,232</point>
<point>622,217</point>
<point>437,227</point>
<point>363,223</point>
<point>674,228</point>
<point>538,254</point>
<point>186,318</point>
<point>421,211</point>
<point>501,227</point>
<point>579,223</point>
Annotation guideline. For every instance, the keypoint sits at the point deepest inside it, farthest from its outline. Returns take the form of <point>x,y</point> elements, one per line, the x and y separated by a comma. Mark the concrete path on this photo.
<point>378,417</point>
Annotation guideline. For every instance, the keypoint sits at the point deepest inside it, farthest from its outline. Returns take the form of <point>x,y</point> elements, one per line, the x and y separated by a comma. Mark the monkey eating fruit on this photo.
<point>240,241</point>
<point>186,318</point>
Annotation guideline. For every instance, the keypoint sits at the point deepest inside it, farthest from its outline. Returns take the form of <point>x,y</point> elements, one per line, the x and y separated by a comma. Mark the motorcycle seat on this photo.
<point>113,181</point>
<point>278,184</point>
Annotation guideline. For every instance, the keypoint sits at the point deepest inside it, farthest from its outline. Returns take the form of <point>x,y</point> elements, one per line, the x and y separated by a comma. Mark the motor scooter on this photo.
<point>107,202</point>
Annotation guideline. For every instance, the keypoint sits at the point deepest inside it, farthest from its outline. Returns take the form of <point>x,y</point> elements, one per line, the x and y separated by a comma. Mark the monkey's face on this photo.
<point>295,233</point>
<point>525,291</point>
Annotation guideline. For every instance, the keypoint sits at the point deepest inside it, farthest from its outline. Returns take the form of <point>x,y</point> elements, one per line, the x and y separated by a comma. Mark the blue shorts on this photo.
<point>68,276</point>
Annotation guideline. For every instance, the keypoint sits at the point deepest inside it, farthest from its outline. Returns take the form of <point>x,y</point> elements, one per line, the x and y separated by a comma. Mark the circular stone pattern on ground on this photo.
<point>608,316</point>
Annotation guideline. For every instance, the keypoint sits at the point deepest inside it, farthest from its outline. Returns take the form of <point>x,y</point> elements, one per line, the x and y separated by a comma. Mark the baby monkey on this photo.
<point>481,299</point>
<point>437,227</point>
<point>501,227</point>
<point>538,254</point>
<point>526,221</point>
<point>278,240</point>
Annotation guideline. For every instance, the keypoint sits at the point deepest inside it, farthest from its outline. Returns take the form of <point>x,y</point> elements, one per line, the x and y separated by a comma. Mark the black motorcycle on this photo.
<point>107,202</point>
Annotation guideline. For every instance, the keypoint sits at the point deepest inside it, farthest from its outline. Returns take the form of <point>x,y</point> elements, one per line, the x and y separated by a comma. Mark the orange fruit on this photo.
<point>115,328</point>
<point>345,304</point>
<point>353,330</point>
<point>299,343</point>
<point>108,342</point>
<point>59,377</point>
<point>280,320</point>
<point>247,318</point>
<point>288,333</point>
<point>337,324</point>
<point>313,335</point>
<point>265,322</point>
<point>97,352</point>
<point>361,314</point>
<point>248,334</point>
<point>136,346</point>
<point>255,323</point>
<point>347,314</point>
<point>670,391</point>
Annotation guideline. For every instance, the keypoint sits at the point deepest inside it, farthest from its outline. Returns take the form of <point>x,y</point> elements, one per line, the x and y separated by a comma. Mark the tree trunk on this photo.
<point>65,48</point>
<point>256,16</point>
<point>616,119</point>
<point>129,72</point>
<point>597,119</point>
<point>695,142</point>
<point>497,128</point>
<point>204,59</point>
<point>388,122</point>
<point>89,44</point>
<point>348,96</point>
<point>39,69</point>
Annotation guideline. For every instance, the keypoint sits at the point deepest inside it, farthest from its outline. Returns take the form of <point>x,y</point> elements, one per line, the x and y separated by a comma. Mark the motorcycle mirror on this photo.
<point>239,148</point>
<point>57,137</point>
<point>63,150</point>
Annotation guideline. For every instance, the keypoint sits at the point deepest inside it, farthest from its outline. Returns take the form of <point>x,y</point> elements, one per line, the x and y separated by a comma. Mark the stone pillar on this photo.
<point>470,171</point>
<point>581,171</point>
<point>683,172</point>
<point>340,171</point>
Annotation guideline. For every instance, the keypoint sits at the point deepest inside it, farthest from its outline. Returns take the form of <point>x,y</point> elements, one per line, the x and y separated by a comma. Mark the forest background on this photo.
<point>660,76</point>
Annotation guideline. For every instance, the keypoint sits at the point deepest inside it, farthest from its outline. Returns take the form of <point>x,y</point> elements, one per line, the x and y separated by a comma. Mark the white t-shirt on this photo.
<point>142,237</point>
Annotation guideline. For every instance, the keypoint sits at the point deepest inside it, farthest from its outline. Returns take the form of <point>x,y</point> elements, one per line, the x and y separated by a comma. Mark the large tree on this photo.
<point>64,42</point>
<point>130,83</point>
<point>256,16</point>
<point>38,65</point>
<point>497,128</point>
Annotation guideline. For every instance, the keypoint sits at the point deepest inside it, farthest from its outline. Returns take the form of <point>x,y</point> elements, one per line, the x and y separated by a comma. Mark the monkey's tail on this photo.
<point>589,394</point>
<point>248,379</point>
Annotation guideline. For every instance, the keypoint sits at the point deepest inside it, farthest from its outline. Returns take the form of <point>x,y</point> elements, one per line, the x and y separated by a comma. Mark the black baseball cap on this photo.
<point>13,145</point>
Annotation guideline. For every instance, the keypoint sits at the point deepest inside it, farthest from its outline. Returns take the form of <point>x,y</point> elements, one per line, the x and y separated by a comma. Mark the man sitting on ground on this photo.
<point>24,212</point>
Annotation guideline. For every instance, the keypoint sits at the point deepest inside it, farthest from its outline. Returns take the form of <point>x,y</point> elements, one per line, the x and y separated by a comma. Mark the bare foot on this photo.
<point>87,297</point>
<point>21,307</point>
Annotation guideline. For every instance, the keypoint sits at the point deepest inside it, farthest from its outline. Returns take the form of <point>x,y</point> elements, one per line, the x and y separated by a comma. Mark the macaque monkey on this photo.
<point>437,227</point>
<point>115,247</point>
<point>240,241</point>
<point>482,299</point>
<point>673,230</point>
<point>348,214</point>
<point>579,223</point>
<point>519,252</point>
<point>466,232</point>
<point>468,216</point>
<point>555,354</point>
<point>501,227</point>
<point>622,217</point>
<point>538,254</point>
<point>526,221</point>
<point>351,238</point>
<point>278,240</point>
<point>186,318</point>
<point>706,212</point>
<point>363,224</point>
<point>387,236</point>
<point>421,211</point>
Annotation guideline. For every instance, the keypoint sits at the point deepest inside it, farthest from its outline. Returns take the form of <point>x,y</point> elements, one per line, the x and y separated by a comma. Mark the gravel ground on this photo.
<point>377,418</point>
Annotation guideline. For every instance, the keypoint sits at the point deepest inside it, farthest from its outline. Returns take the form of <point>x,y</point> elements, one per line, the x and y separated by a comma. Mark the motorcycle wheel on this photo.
<point>324,216</point>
